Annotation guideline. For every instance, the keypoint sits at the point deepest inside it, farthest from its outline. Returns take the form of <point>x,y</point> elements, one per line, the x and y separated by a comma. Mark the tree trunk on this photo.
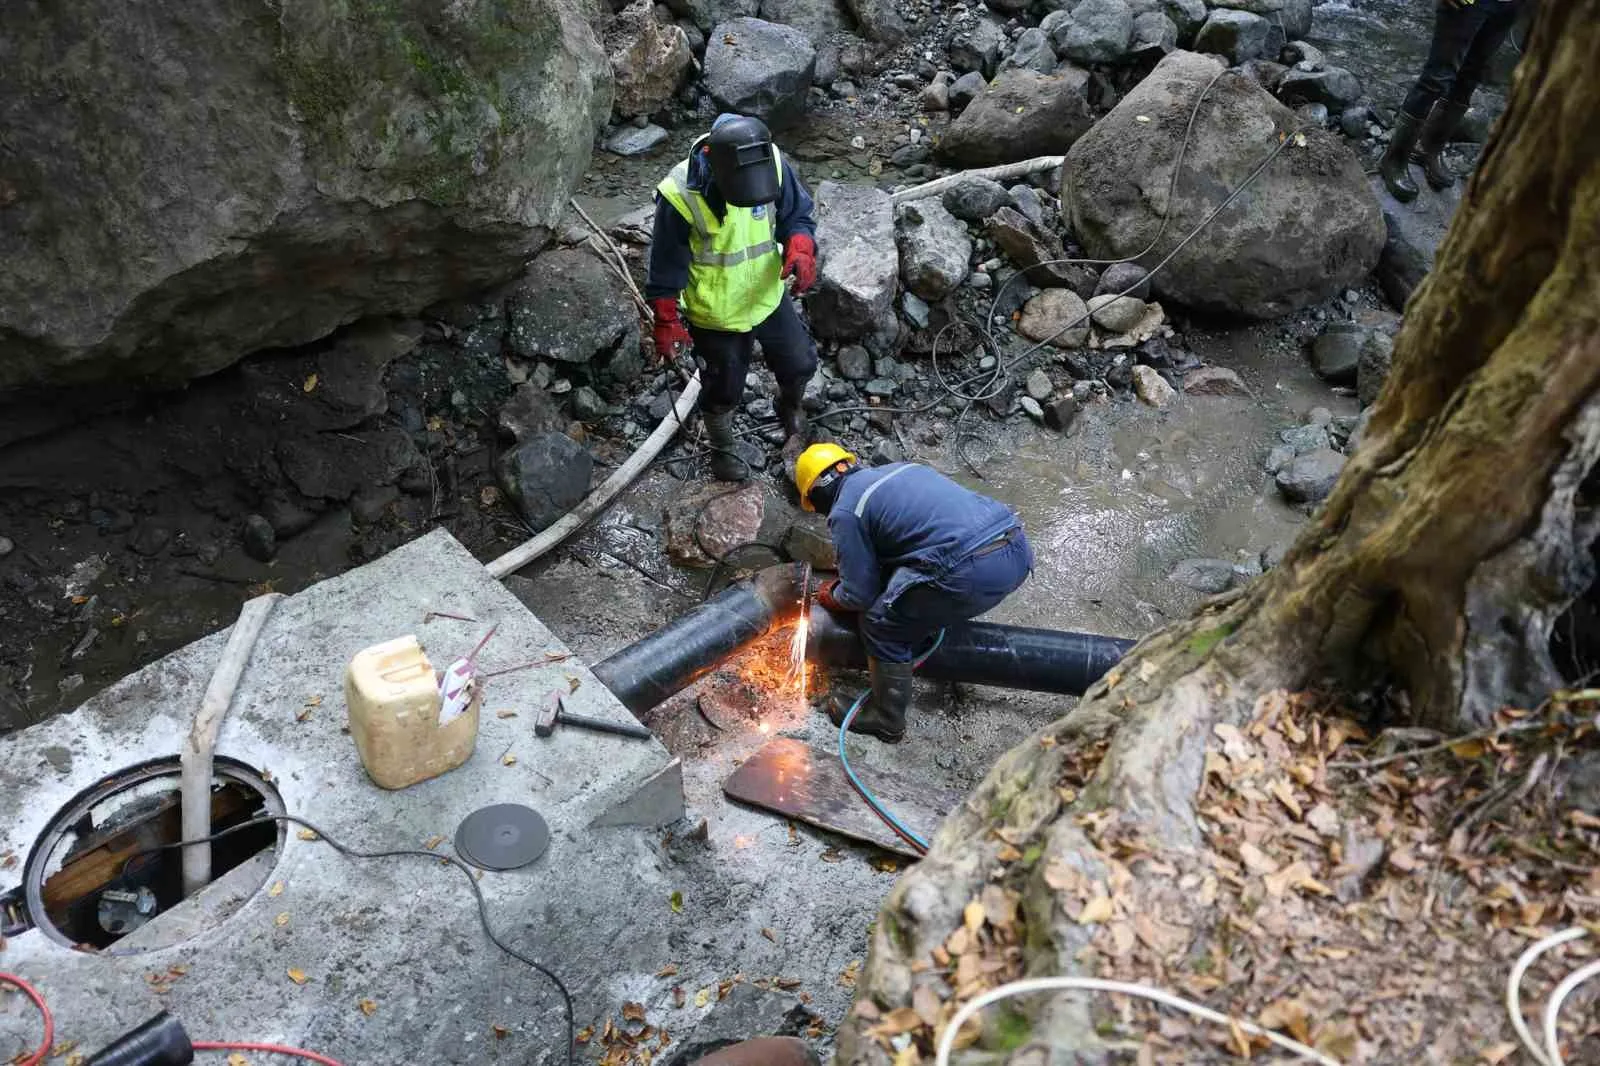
<point>1455,537</point>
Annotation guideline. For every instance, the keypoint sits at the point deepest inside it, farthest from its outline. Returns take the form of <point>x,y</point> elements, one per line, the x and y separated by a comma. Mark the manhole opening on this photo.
<point>94,881</point>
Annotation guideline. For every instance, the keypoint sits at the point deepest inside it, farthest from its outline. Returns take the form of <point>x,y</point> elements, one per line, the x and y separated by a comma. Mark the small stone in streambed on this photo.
<point>1209,576</point>
<point>1039,386</point>
<point>1031,406</point>
<point>1118,314</point>
<point>7,546</point>
<point>1309,478</point>
<point>854,363</point>
<point>260,542</point>
<point>1214,381</point>
<point>1151,387</point>
<point>1060,414</point>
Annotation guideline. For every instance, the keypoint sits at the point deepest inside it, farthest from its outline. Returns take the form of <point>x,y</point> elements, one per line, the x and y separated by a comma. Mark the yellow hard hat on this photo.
<point>812,464</point>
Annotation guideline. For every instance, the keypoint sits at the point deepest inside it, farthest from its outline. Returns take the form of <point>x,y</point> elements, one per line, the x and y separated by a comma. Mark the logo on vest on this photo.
<point>758,211</point>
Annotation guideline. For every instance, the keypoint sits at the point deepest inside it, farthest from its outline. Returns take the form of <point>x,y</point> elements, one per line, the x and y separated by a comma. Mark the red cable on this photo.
<point>49,1022</point>
<point>273,1049</point>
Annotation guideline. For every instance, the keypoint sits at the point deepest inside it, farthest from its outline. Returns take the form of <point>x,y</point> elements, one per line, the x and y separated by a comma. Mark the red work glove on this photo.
<point>800,260</point>
<point>825,596</point>
<point>671,335</point>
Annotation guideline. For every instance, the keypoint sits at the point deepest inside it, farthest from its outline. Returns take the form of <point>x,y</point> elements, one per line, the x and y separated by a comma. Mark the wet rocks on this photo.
<point>760,69</point>
<point>1039,386</point>
<point>1056,315</point>
<point>808,541</point>
<point>1209,576</point>
<point>1020,115</point>
<point>1413,233</point>
<point>1036,251</point>
<point>1032,51</point>
<point>855,363</point>
<point>706,525</point>
<point>1334,87</point>
<point>1154,35</point>
<point>859,268</point>
<point>1271,260</point>
<point>966,89</point>
<point>1119,314</point>
<point>1096,31</point>
<point>880,20</point>
<point>1309,478</point>
<point>934,248</point>
<point>259,538</point>
<point>587,406</point>
<point>1124,277</point>
<point>1187,15</point>
<point>1214,381</point>
<point>1152,388</point>
<point>1237,36</point>
<point>976,199</point>
<point>1296,18</point>
<point>337,466</point>
<point>529,411</point>
<point>977,48</point>
<point>1337,352</point>
<point>936,95</point>
<point>546,476</point>
<point>570,308</point>
<point>1372,369</point>
<point>1061,413</point>
<point>817,19</point>
<point>649,62</point>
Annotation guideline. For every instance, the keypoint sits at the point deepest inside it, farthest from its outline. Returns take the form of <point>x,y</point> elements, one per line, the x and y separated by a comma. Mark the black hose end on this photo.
<point>160,1041</point>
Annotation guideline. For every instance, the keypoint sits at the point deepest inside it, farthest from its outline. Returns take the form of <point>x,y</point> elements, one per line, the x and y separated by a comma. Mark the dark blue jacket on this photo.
<point>899,524</point>
<point>669,240</point>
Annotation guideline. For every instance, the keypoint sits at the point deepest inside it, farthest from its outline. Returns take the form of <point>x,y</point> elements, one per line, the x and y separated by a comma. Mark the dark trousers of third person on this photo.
<point>785,343</point>
<point>1465,40</point>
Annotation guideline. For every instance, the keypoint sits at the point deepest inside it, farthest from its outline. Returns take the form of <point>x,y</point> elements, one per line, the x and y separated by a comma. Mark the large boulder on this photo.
<point>1414,233</point>
<point>1296,19</point>
<point>817,19</point>
<point>1334,87</point>
<point>183,184</point>
<point>854,299</point>
<point>1098,31</point>
<point>649,60</point>
<point>1187,15</point>
<point>570,308</point>
<point>1306,228</point>
<point>546,476</point>
<point>934,248</point>
<point>1237,36</point>
<point>760,69</point>
<point>704,14</point>
<point>1020,115</point>
<point>977,47</point>
<point>880,20</point>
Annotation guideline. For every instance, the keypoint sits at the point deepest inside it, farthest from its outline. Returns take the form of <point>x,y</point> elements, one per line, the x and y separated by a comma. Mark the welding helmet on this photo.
<point>740,151</point>
<point>818,467</point>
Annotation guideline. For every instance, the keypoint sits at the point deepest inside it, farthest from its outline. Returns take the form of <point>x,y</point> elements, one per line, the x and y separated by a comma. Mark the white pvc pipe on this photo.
<point>195,759</point>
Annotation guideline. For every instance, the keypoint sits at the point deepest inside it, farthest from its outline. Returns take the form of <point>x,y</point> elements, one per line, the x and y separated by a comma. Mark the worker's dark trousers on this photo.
<point>904,621</point>
<point>1464,41</point>
<point>785,343</point>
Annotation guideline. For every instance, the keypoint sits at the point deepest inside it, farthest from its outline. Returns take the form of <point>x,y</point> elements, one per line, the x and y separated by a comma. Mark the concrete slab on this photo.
<point>402,933</point>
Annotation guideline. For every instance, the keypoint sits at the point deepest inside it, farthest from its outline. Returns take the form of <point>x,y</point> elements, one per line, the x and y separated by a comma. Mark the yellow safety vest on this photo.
<point>735,269</point>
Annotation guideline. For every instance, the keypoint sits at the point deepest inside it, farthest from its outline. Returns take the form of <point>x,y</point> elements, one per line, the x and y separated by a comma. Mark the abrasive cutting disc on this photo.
<point>502,837</point>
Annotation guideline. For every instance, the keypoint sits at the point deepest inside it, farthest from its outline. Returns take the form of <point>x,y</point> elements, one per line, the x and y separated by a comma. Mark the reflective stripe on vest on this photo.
<point>735,270</point>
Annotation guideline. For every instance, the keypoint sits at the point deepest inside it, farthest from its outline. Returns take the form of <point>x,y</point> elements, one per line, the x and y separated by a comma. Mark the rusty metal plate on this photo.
<point>810,786</point>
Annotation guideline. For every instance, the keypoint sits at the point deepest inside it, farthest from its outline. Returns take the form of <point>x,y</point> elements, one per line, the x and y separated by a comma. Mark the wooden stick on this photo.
<point>194,780</point>
<point>996,173</point>
<point>600,498</point>
<point>622,260</point>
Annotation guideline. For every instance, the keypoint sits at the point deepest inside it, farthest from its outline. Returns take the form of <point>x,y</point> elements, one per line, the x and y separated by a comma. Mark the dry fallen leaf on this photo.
<point>769,934</point>
<point>633,1012</point>
<point>282,919</point>
<point>1256,860</point>
<point>505,714</point>
<point>306,834</point>
<point>298,976</point>
<point>972,917</point>
<point>1098,909</point>
<point>237,1059</point>
<point>585,1036</point>
<point>310,384</point>
<point>368,1007</point>
<point>509,759</point>
<point>500,1031</point>
<point>925,1001</point>
<point>702,997</point>
<point>667,971</point>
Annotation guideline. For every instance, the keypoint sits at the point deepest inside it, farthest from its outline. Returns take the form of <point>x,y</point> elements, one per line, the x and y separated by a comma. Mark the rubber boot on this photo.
<point>763,1051</point>
<point>726,463</point>
<point>1395,167</point>
<point>884,713</point>
<point>1442,122</point>
<point>792,412</point>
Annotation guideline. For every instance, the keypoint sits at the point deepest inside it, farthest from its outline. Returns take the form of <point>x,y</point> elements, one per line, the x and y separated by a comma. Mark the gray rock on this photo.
<point>1021,115</point>
<point>1038,252</point>
<point>649,62</point>
<point>1333,87</point>
<point>1279,457</point>
<point>808,541</point>
<point>1305,439</point>
<point>1214,381</point>
<point>977,47</point>
<point>1032,51</point>
<point>1209,576</point>
<point>856,278</point>
<point>934,249</point>
<point>915,308</point>
<point>1310,478</point>
<point>1266,73</point>
<point>1304,55</point>
<point>1099,31</point>
<point>975,199</point>
<point>570,308</point>
<point>7,546</point>
<point>587,406</point>
<point>1151,387</point>
<point>336,467</point>
<point>704,14</point>
<point>882,388</point>
<point>529,411</point>
<point>1061,413</point>
<point>936,96</point>
<point>1275,258</point>
<point>633,140</point>
<point>1187,15</point>
<point>368,506</point>
<point>1008,7</point>
<point>1048,316</point>
<point>1031,407</point>
<point>1237,36</point>
<point>854,363</point>
<point>545,476</point>
<point>1372,370</point>
<point>1255,7</point>
<point>704,525</point>
<point>1029,203</point>
<point>817,19</point>
<point>1315,116</point>
<point>1118,314</point>
<point>760,69</point>
<point>260,539</point>
<point>1039,386</point>
<point>880,20</point>
<point>1354,122</point>
<point>966,89</point>
<point>1413,233</point>
<point>1130,277</point>
<point>1335,354</point>
<point>1296,18</point>
<point>180,171</point>
<point>1154,35</point>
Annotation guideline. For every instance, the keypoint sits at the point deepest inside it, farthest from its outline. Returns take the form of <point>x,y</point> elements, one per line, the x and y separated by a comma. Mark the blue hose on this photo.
<point>866,793</point>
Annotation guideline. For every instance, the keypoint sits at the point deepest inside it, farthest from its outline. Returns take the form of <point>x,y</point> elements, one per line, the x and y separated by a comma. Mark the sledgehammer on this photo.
<point>553,713</point>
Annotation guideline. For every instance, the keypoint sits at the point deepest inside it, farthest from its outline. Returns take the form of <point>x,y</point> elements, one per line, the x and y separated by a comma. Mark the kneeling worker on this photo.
<point>732,222</point>
<point>917,552</point>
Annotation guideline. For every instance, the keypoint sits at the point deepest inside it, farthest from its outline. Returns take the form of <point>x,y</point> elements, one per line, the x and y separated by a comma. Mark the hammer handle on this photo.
<point>600,725</point>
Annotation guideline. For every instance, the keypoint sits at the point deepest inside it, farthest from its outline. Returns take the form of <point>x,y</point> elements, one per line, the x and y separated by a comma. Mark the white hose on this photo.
<point>1093,984</point>
<point>1552,1044</point>
<point>1514,996</point>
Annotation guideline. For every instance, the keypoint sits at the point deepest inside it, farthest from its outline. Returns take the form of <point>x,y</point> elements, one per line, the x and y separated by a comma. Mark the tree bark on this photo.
<point>1456,535</point>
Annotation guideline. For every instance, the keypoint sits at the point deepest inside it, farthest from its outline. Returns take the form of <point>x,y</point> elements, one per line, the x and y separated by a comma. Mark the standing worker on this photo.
<point>732,222</point>
<point>917,552</point>
<point>1466,35</point>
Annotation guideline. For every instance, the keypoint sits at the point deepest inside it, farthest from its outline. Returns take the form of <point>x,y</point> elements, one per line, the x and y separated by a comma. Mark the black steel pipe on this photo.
<point>681,652</point>
<point>983,653</point>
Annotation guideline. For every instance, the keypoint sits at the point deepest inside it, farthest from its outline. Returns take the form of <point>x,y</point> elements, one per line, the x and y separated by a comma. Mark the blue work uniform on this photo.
<point>918,552</point>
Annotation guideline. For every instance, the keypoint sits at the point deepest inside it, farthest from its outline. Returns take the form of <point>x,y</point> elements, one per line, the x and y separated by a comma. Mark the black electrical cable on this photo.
<point>417,853</point>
